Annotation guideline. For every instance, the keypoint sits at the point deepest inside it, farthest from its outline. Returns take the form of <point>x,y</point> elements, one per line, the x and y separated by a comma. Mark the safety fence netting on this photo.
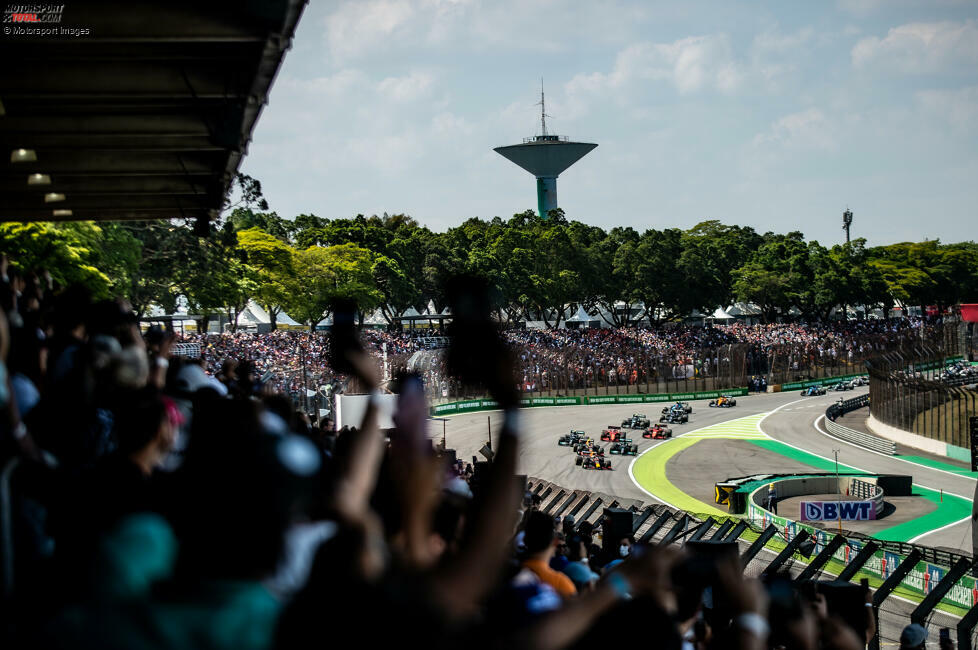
<point>933,587</point>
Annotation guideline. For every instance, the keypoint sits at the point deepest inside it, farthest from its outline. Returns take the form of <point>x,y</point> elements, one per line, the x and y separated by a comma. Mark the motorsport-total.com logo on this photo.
<point>33,13</point>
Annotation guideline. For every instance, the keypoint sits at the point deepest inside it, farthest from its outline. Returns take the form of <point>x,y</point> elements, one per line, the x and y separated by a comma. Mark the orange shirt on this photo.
<point>560,582</point>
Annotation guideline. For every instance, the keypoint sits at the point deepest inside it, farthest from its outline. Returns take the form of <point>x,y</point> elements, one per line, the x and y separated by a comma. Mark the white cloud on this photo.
<point>808,129</point>
<point>357,26</point>
<point>691,64</point>
<point>406,88</point>
<point>918,48</point>
<point>333,86</point>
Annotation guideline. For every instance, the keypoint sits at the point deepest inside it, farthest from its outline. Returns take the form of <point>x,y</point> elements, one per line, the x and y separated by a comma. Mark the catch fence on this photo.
<point>910,582</point>
<point>911,391</point>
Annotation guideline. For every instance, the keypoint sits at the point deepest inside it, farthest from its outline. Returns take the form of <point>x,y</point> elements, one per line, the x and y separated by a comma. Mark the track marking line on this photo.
<point>879,453</point>
<point>859,469</point>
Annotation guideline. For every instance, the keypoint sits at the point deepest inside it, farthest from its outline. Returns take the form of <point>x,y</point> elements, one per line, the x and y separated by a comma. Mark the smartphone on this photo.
<point>343,336</point>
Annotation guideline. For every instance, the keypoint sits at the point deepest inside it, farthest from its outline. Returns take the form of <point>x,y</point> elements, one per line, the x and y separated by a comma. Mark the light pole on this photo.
<point>838,488</point>
<point>838,483</point>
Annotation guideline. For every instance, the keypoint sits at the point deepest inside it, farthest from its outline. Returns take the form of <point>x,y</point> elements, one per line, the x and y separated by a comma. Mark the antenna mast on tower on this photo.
<point>847,222</point>
<point>543,110</point>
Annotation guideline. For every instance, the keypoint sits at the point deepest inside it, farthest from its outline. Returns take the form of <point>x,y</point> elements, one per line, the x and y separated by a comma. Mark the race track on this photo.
<point>778,432</point>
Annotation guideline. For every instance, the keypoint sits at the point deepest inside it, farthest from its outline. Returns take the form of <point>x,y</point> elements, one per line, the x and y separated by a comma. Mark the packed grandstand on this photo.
<point>570,359</point>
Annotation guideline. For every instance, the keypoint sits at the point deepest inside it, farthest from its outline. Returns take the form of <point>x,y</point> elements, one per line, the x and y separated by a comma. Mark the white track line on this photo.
<point>631,474</point>
<point>879,453</point>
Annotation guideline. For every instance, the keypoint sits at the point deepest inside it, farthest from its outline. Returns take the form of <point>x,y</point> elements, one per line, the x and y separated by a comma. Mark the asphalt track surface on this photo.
<point>786,434</point>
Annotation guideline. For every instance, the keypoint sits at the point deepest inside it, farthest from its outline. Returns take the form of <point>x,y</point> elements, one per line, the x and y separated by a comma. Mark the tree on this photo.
<point>272,262</point>
<point>325,274</point>
<point>711,252</point>
<point>69,251</point>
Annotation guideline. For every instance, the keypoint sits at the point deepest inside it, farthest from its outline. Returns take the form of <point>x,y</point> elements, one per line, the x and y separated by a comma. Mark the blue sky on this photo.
<point>775,115</point>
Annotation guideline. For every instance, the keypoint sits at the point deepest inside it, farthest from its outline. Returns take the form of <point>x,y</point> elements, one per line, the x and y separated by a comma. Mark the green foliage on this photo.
<point>70,251</point>
<point>539,269</point>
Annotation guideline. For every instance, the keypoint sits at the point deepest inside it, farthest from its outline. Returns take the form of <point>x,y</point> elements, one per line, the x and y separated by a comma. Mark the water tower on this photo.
<point>545,156</point>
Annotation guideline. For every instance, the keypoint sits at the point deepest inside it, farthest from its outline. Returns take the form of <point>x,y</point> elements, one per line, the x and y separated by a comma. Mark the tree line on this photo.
<point>539,269</point>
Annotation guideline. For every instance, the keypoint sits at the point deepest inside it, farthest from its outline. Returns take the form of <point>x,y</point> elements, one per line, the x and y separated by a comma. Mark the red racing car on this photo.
<point>612,433</point>
<point>657,432</point>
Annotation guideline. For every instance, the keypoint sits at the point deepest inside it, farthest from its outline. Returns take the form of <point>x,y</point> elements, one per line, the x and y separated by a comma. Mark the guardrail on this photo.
<point>472,405</point>
<point>860,438</point>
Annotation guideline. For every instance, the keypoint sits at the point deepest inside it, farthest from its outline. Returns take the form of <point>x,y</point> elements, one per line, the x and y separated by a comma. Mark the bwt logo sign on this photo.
<point>836,510</point>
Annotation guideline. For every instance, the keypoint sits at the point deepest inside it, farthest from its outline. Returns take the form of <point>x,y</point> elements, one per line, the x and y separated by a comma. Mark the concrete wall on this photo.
<point>794,487</point>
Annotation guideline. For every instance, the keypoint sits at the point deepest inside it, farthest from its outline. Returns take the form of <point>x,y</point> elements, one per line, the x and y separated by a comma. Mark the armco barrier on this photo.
<point>861,438</point>
<point>825,381</point>
<point>866,440</point>
<point>473,405</point>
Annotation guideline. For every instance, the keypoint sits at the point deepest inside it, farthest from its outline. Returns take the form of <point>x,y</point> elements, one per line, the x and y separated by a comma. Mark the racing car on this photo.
<point>675,417</point>
<point>637,421</point>
<point>724,401</point>
<point>624,449</point>
<point>685,407</point>
<point>612,433</point>
<point>588,447</point>
<point>594,463</point>
<point>657,432</point>
<point>841,386</point>
<point>571,438</point>
<point>812,391</point>
<point>860,381</point>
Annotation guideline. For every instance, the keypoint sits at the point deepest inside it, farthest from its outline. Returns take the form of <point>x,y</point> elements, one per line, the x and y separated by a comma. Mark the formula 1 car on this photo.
<point>841,386</point>
<point>637,421</point>
<point>657,432</point>
<point>860,381</point>
<point>612,433</point>
<point>675,417</point>
<point>595,463</point>
<point>685,407</point>
<point>571,438</point>
<point>811,391</point>
<point>724,401</point>
<point>585,448</point>
<point>624,449</point>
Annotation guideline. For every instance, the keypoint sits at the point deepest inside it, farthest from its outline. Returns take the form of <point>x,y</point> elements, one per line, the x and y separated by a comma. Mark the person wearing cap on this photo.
<point>772,498</point>
<point>913,637</point>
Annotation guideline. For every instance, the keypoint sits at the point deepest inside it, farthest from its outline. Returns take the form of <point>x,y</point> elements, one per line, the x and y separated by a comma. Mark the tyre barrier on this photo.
<point>859,438</point>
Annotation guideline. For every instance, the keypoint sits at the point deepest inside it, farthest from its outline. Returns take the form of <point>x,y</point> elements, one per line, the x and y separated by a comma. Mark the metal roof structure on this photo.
<point>133,110</point>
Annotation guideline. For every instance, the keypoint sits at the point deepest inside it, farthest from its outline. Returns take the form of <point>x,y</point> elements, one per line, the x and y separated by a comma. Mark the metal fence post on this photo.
<point>758,544</point>
<point>887,588</point>
<point>919,615</point>
<point>965,627</point>
<point>788,551</point>
<point>857,562</point>
<point>819,560</point>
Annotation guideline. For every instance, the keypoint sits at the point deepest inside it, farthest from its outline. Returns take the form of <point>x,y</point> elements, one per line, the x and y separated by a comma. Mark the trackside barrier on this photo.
<point>821,559</point>
<point>931,581</point>
<point>473,405</point>
<point>884,590</point>
<point>930,601</point>
<point>860,438</point>
<point>867,440</point>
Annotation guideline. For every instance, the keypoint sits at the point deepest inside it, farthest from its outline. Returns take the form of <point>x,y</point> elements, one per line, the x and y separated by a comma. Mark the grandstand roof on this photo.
<point>141,110</point>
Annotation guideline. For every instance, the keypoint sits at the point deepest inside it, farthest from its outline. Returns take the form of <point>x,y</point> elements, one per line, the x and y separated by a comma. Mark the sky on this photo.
<point>775,115</point>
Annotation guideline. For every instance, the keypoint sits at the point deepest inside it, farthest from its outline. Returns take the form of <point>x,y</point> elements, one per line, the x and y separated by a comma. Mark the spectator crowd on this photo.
<point>159,502</point>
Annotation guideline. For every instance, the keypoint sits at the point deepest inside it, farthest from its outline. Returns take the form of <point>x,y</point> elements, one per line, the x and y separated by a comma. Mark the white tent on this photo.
<point>581,316</point>
<point>720,314</point>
